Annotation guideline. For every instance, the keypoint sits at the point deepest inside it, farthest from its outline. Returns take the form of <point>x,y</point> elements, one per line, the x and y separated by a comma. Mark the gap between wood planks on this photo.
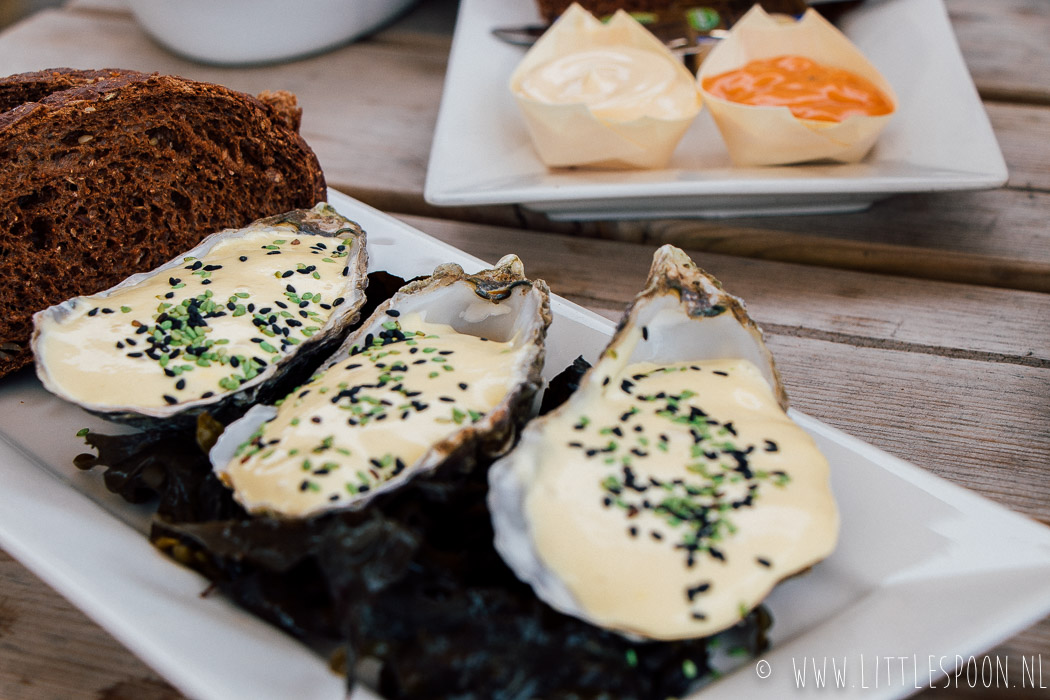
<point>903,346</point>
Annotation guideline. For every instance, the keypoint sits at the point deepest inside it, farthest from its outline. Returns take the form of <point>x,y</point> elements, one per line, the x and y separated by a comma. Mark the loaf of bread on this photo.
<point>109,173</point>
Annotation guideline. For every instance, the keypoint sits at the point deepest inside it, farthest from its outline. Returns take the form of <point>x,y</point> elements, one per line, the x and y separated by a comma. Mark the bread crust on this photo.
<point>117,173</point>
<point>32,87</point>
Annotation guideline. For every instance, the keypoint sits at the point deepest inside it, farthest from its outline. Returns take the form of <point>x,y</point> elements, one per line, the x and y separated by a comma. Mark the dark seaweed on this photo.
<point>415,582</point>
<point>412,581</point>
<point>563,385</point>
<point>171,468</point>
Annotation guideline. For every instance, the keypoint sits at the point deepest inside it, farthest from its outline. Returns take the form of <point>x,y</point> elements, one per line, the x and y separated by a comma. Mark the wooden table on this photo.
<point>921,325</point>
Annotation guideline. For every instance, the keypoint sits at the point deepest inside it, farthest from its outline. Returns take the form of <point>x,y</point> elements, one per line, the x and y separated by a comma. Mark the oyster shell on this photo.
<point>444,370</point>
<point>211,329</point>
<point>667,496</point>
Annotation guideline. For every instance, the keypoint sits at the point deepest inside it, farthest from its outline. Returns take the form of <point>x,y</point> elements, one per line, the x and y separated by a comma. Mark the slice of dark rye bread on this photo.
<point>110,175</point>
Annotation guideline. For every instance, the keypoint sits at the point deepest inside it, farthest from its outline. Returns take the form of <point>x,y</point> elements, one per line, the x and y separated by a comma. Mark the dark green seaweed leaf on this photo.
<point>562,386</point>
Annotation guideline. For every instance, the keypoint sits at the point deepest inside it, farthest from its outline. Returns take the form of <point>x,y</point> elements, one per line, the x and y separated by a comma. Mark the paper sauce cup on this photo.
<point>773,135</point>
<point>571,134</point>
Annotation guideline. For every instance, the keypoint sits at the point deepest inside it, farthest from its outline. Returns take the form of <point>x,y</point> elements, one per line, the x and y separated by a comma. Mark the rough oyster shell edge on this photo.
<point>323,220</point>
<point>490,437</point>
<point>674,282</point>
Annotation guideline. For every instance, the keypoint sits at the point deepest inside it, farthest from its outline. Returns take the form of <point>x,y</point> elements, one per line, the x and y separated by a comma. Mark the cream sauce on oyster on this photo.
<point>368,418</point>
<point>199,330</point>
<point>672,499</point>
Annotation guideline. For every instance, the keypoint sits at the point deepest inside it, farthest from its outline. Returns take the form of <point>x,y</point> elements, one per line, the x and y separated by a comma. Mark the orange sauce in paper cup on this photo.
<point>810,90</point>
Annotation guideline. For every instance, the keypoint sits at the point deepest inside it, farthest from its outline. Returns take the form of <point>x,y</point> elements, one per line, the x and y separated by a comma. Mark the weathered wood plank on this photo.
<point>876,310</point>
<point>1023,132</point>
<point>50,650</point>
<point>1005,47</point>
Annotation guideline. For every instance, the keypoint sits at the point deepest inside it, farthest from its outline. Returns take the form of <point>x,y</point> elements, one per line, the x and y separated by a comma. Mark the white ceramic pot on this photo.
<point>231,32</point>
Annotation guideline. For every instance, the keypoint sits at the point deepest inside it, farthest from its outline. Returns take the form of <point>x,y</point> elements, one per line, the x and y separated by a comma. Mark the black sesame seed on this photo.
<point>393,312</point>
<point>93,312</point>
<point>764,562</point>
<point>243,258</point>
<point>170,399</point>
<point>697,590</point>
<point>315,419</point>
<point>645,333</point>
<point>181,384</point>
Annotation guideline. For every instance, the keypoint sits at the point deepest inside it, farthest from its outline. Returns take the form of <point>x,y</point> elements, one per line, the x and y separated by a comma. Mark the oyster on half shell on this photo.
<point>212,328</point>
<point>445,370</point>
<point>669,494</point>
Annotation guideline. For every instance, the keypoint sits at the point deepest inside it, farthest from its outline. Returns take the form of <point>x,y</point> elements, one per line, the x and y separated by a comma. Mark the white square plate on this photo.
<point>923,569</point>
<point>939,140</point>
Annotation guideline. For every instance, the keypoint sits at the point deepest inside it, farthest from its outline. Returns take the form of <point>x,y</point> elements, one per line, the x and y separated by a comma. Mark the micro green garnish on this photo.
<point>364,390</point>
<point>83,431</point>
<point>698,507</point>
<point>184,328</point>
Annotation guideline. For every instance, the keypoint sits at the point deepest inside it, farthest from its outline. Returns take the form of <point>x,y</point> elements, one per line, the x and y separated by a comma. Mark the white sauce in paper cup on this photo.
<point>604,95</point>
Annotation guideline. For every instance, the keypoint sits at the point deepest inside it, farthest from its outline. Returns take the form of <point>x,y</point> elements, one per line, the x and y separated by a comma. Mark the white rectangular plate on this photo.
<point>923,567</point>
<point>939,140</point>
